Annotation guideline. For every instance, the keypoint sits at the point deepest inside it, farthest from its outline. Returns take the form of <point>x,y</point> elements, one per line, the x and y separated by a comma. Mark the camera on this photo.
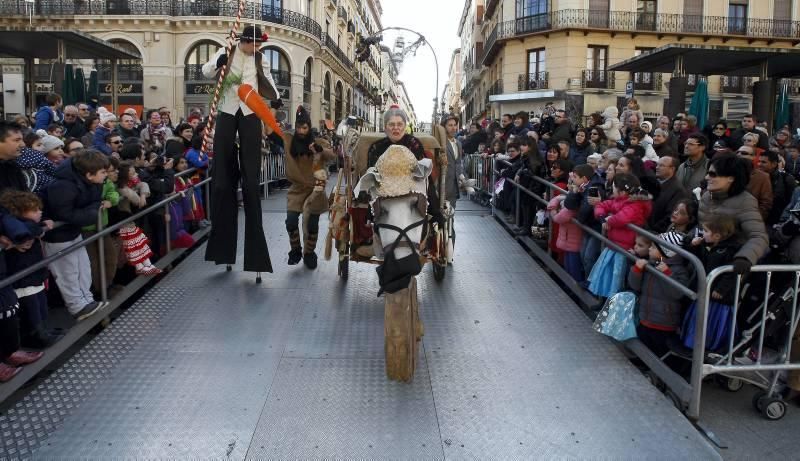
<point>593,191</point>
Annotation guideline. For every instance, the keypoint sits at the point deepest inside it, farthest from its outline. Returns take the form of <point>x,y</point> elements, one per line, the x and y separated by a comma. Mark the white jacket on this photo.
<point>244,66</point>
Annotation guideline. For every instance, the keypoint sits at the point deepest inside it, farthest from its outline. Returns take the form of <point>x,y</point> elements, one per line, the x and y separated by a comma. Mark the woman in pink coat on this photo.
<point>629,204</point>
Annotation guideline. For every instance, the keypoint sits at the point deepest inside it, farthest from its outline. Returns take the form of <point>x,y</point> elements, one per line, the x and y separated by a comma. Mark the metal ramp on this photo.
<point>209,365</point>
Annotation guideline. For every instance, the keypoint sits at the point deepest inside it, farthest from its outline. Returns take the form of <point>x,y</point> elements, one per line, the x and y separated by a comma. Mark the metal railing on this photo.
<point>687,395</point>
<point>496,88</point>
<point>125,71</point>
<point>735,84</point>
<point>598,79</point>
<point>534,81</point>
<point>194,72</point>
<point>632,21</point>
<point>647,81</point>
<point>337,52</point>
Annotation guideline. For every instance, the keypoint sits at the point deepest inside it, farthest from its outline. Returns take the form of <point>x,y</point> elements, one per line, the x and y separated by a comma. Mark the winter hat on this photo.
<point>610,111</point>
<point>647,127</point>
<point>596,157</point>
<point>672,237</point>
<point>50,142</point>
<point>105,116</point>
<point>253,34</point>
<point>302,117</point>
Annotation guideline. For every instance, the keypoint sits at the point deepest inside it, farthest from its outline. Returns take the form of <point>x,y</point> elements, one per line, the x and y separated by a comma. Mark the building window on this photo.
<point>646,14</point>
<point>199,55</point>
<point>643,80</point>
<point>595,74</point>
<point>279,66</point>
<point>782,15</point>
<point>536,76</point>
<point>599,13</point>
<point>737,18</point>
<point>527,8</point>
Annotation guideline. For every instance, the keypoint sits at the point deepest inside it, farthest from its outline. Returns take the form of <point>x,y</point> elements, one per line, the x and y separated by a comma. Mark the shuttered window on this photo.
<point>693,7</point>
<point>783,10</point>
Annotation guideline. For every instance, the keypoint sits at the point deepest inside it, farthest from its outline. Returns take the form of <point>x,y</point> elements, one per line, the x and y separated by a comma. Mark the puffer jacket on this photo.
<point>570,235</point>
<point>611,125</point>
<point>73,199</point>
<point>659,302</point>
<point>750,230</point>
<point>621,211</point>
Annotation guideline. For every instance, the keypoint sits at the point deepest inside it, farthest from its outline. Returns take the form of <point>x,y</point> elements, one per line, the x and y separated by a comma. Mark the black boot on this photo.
<point>295,256</point>
<point>39,339</point>
<point>310,260</point>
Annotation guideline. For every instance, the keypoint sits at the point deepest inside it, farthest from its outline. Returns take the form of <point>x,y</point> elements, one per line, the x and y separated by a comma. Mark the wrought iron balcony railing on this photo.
<point>647,81</point>
<point>125,72</point>
<point>597,79</point>
<point>534,81</point>
<point>735,84</point>
<point>281,77</point>
<point>194,72</point>
<point>496,88</point>
<point>631,21</point>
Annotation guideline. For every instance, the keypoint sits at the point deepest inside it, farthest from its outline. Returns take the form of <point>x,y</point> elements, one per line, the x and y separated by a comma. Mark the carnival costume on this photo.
<point>305,158</point>
<point>228,168</point>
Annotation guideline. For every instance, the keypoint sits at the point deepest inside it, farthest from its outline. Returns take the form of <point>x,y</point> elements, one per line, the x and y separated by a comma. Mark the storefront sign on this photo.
<point>199,88</point>
<point>122,88</point>
<point>43,87</point>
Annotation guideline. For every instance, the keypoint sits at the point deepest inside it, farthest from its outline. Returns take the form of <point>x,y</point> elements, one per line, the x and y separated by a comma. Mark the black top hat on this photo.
<point>253,34</point>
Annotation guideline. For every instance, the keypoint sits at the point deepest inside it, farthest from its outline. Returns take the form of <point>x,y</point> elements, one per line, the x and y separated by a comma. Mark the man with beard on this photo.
<point>305,159</point>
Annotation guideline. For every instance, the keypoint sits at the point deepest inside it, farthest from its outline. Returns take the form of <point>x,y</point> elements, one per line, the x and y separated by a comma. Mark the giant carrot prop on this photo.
<point>253,100</point>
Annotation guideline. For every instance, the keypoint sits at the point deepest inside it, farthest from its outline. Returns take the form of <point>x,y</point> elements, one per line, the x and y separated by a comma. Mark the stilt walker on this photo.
<point>239,67</point>
<point>306,158</point>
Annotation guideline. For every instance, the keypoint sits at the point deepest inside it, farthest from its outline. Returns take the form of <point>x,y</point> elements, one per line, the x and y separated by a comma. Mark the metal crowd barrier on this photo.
<point>81,328</point>
<point>480,169</point>
<point>273,169</point>
<point>687,395</point>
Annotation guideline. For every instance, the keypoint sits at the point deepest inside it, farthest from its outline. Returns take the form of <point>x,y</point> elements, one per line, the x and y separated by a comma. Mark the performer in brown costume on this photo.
<point>305,158</point>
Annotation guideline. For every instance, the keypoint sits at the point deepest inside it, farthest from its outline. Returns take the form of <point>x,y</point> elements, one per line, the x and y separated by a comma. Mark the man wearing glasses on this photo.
<point>692,172</point>
<point>83,112</point>
<point>114,142</point>
<point>73,126</point>
<point>563,129</point>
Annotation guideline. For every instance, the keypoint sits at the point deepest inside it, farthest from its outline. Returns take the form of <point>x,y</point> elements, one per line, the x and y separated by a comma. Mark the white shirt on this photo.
<point>242,65</point>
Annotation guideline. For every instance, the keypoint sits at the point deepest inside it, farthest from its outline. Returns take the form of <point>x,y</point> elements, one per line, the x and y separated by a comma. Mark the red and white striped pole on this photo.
<point>213,110</point>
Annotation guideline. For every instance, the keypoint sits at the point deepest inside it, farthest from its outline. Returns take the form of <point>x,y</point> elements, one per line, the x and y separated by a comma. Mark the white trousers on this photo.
<point>73,274</point>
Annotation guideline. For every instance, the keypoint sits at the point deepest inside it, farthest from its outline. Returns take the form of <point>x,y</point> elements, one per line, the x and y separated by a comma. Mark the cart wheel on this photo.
<point>344,267</point>
<point>758,404</point>
<point>400,345</point>
<point>439,271</point>
<point>733,384</point>
<point>773,408</point>
<point>675,400</point>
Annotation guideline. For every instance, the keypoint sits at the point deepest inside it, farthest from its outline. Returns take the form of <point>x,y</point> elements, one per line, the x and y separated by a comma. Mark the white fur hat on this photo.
<point>49,142</point>
<point>105,116</point>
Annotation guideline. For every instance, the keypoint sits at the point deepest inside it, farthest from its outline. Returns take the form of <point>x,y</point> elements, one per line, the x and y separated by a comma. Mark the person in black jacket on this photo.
<point>30,290</point>
<point>670,192</point>
<point>532,166</point>
<point>717,247</point>
<point>158,174</point>
<point>75,198</point>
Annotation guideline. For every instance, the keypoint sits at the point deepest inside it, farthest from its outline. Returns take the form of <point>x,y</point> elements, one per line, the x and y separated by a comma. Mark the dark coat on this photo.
<point>471,143</point>
<point>783,186</point>
<point>665,149</point>
<point>71,198</point>
<point>671,192</point>
<point>20,260</point>
<point>74,130</point>
<point>721,254</point>
<point>659,302</point>
<point>12,177</point>
<point>578,154</point>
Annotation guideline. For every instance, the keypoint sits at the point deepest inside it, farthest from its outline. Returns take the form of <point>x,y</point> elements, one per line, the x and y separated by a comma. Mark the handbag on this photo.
<point>619,317</point>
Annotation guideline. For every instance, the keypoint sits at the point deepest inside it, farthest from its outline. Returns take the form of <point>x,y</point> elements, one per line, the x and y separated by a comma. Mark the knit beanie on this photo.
<point>105,116</point>
<point>49,141</point>
<point>672,237</point>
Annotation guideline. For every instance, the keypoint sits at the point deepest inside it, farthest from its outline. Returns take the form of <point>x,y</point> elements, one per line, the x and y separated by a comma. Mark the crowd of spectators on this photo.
<point>726,193</point>
<point>63,172</point>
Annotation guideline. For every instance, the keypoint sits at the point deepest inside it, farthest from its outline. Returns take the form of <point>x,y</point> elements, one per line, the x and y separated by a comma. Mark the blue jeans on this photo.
<point>590,251</point>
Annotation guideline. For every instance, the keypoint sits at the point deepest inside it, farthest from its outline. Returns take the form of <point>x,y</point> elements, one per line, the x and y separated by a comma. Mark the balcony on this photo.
<point>735,84</point>
<point>534,81</point>
<point>634,22</point>
<point>603,79</point>
<point>491,7</point>
<point>336,51</point>
<point>496,88</point>
<point>647,81</point>
<point>125,72</point>
<point>194,72</point>
<point>342,17</point>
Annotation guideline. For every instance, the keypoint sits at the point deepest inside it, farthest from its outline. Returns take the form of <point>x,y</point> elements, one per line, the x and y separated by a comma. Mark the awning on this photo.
<point>716,60</point>
<point>42,43</point>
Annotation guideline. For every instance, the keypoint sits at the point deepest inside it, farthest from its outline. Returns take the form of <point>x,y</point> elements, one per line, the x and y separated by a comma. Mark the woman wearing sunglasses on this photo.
<point>726,194</point>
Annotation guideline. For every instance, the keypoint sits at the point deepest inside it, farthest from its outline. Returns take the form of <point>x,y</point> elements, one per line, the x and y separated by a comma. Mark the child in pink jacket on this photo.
<point>570,236</point>
<point>629,205</point>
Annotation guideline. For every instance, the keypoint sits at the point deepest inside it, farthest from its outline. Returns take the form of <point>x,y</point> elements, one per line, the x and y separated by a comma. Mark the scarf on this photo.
<point>133,182</point>
<point>156,133</point>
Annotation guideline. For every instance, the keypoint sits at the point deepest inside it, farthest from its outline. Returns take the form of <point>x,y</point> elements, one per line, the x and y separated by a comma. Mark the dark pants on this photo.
<point>32,312</point>
<point>226,171</point>
<point>654,339</point>
<point>293,222</point>
<point>9,336</point>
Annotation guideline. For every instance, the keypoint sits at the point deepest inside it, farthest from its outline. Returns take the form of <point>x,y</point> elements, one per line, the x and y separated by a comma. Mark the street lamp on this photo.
<point>362,53</point>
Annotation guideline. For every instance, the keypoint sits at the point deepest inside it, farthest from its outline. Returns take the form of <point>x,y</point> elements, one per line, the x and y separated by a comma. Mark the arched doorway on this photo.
<point>198,88</point>
<point>338,106</point>
<point>281,72</point>
<point>326,95</point>
<point>130,78</point>
<point>307,82</point>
